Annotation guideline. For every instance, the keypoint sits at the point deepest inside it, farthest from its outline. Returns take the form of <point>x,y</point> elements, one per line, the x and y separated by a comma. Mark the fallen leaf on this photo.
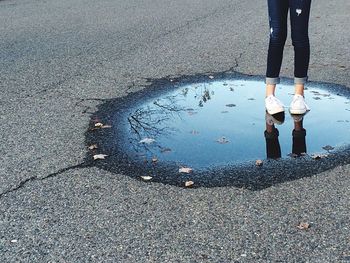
<point>99,156</point>
<point>328,148</point>
<point>224,111</point>
<point>231,105</point>
<point>146,177</point>
<point>251,99</point>
<point>303,225</point>
<point>93,146</point>
<point>98,124</point>
<point>165,150</point>
<point>318,156</point>
<point>258,162</point>
<point>147,140</point>
<point>194,132</point>
<point>185,170</point>
<point>222,140</point>
<point>189,183</point>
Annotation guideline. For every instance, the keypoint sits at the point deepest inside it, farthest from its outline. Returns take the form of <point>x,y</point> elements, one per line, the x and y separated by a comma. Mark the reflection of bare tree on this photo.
<point>151,121</point>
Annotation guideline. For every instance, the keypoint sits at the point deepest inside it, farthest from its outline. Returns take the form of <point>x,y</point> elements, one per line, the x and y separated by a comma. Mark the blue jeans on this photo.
<point>299,19</point>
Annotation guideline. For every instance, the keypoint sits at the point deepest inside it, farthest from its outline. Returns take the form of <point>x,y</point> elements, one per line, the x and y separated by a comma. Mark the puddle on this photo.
<point>217,127</point>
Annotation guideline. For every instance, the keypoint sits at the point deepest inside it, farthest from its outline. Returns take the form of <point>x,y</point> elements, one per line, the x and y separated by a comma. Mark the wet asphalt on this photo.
<point>60,60</point>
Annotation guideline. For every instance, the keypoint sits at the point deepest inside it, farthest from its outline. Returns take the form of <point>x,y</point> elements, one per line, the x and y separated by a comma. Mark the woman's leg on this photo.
<point>278,13</point>
<point>299,17</point>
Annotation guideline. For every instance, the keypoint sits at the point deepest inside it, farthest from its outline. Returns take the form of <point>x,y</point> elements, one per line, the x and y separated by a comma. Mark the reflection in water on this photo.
<point>273,148</point>
<point>220,123</point>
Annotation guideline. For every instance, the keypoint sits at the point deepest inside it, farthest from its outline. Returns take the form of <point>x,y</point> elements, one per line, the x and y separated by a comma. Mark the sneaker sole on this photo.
<point>275,111</point>
<point>298,111</point>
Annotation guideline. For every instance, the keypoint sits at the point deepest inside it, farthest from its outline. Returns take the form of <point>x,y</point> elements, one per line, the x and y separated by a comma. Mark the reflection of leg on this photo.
<point>273,149</point>
<point>299,134</point>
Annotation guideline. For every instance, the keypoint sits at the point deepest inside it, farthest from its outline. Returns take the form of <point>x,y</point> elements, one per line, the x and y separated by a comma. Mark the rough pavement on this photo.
<point>60,59</point>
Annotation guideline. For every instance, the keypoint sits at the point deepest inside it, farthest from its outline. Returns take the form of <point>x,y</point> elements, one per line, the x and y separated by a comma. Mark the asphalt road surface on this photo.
<point>60,59</point>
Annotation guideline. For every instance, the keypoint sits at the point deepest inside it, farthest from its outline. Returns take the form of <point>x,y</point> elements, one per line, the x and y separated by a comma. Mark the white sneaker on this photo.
<point>298,105</point>
<point>273,105</point>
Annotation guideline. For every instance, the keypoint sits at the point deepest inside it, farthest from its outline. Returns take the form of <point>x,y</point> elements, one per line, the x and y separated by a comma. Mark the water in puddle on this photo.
<point>223,122</point>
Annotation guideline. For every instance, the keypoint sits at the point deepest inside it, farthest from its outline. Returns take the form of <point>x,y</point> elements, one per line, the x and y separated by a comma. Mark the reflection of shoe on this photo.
<point>298,117</point>
<point>274,119</point>
<point>298,105</point>
<point>273,105</point>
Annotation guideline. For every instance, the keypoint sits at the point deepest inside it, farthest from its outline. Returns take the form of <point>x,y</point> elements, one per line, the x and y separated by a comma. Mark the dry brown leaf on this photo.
<point>185,170</point>
<point>189,183</point>
<point>303,225</point>
<point>100,156</point>
<point>258,162</point>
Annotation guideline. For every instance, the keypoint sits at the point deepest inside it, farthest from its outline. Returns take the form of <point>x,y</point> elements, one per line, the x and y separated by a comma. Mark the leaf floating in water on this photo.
<point>93,146</point>
<point>251,99</point>
<point>185,170</point>
<point>98,124</point>
<point>328,148</point>
<point>100,156</point>
<point>147,140</point>
<point>303,225</point>
<point>194,132</point>
<point>232,89</point>
<point>224,111</point>
<point>225,84</point>
<point>165,150</point>
<point>146,177</point>
<point>231,105</point>
<point>316,98</point>
<point>189,183</point>
<point>222,140</point>
<point>192,112</point>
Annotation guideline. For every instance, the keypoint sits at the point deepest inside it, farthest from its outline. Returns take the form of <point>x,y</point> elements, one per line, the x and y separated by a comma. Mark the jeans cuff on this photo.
<point>300,80</point>
<point>272,81</point>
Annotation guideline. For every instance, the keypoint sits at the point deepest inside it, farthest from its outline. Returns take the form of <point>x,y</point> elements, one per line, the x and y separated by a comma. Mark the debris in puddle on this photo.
<point>224,111</point>
<point>93,146</point>
<point>251,99</point>
<point>185,169</point>
<point>232,89</point>
<point>258,162</point>
<point>194,132</point>
<point>146,177</point>
<point>147,140</point>
<point>303,225</point>
<point>189,183</point>
<point>154,159</point>
<point>165,150</point>
<point>222,140</point>
<point>316,98</point>
<point>99,156</point>
<point>328,148</point>
<point>211,77</point>
<point>192,112</point>
<point>231,105</point>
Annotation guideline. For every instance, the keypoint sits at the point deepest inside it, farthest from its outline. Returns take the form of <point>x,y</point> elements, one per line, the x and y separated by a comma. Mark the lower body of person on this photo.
<point>299,18</point>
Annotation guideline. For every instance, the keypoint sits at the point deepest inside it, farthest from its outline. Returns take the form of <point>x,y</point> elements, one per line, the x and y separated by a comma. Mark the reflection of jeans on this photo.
<point>273,149</point>
<point>299,17</point>
<point>299,144</point>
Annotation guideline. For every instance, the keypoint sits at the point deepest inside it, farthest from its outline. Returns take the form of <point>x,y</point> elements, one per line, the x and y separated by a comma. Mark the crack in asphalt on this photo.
<point>35,178</point>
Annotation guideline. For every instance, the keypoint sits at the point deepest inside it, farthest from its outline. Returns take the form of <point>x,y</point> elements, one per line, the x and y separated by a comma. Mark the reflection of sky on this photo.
<point>326,124</point>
